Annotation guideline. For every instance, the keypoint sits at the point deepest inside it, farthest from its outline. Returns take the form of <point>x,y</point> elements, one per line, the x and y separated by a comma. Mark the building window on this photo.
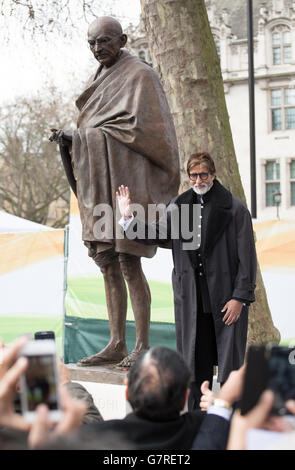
<point>144,54</point>
<point>148,58</point>
<point>282,109</point>
<point>141,55</point>
<point>217,45</point>
<point>281,46</point>
<point>272,182</point>
<point>292,182</point>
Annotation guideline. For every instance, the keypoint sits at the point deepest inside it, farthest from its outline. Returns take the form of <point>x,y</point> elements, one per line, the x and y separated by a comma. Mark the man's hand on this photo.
<point>64,373</point>
<point>11,369</point>
<point>231,390</point>
<point>256,418</point>
<point>123,196</point>
<point>207,397</point>
<point>233,310</point>
<point>41,432</point>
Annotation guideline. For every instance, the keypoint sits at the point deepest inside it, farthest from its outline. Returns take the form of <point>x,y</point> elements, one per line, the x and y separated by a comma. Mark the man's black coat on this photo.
<point>229,261</point>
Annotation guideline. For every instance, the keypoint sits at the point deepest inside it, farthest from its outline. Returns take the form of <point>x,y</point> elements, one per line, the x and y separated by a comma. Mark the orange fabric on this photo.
<point>18,250</point>
<point>275,243</point>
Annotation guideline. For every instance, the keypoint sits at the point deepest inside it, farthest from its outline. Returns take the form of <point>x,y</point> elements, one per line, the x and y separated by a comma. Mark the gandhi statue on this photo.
<point>125,135</point>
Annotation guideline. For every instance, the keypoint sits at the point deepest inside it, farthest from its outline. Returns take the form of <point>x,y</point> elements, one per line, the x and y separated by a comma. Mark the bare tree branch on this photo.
<point>50,15</point>
<point>32,177</point>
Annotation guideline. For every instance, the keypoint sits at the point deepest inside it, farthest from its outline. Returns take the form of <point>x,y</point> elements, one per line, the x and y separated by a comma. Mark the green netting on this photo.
<point>87,336</point>
<point>86,323</point>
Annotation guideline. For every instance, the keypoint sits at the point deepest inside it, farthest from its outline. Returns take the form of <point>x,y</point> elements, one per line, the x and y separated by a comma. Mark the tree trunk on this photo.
<point>184,55</point>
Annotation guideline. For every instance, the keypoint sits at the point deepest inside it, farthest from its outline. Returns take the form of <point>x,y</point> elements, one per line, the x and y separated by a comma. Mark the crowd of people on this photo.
<point>157,389</point>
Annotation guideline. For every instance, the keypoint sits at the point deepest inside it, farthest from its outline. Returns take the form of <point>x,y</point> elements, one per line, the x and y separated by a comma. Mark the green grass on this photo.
<point>86,298</point>
<point>92,290</point>
<point>12,327</point>
<point>290,342</point>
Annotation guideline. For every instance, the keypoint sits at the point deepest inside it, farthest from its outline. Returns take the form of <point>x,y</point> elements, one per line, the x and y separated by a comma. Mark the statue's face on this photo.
<point>105,44</point>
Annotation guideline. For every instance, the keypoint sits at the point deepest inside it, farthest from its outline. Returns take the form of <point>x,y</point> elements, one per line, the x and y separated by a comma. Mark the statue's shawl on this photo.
<point>125,136</point>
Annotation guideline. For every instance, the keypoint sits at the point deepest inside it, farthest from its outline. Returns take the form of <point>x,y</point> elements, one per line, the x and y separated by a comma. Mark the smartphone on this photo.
<point>44,335</point>
<point>269,367</point>
<point>255,379</point>
<point>39,383</point>
<point>281,378</point>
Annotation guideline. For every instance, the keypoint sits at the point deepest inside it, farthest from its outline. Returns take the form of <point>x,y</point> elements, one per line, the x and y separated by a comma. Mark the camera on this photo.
<point>269,367</point>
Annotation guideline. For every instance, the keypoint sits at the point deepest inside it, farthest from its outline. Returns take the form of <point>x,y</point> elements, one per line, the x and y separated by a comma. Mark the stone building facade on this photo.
<point>274,62</point>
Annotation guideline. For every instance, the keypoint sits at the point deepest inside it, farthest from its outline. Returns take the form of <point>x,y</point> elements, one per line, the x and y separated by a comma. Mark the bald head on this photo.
<point>106,23</point>
<point>106,38</point>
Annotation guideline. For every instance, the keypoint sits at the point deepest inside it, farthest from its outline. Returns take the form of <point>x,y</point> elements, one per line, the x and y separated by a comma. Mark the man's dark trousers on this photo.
<point>205,353</point>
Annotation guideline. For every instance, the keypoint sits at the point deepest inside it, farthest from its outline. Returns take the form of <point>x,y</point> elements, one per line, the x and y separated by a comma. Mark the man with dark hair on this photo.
<point>157,389</point>
<point>213,281</point>
<point>157,385</point>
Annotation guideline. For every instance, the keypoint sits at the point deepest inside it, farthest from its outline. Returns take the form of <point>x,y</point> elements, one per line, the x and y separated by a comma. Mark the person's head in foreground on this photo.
<point>157,385</point>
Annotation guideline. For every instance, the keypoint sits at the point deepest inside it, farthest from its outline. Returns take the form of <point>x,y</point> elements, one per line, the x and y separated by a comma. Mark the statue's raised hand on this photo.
<point>124,201</point>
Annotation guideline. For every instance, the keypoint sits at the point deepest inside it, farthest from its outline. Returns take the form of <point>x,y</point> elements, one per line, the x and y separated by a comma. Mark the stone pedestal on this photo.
<point>107,374</point>
<point>106,385</point>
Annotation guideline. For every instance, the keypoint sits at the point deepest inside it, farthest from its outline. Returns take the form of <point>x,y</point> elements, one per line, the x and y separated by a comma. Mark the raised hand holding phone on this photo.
<point>41,429</point>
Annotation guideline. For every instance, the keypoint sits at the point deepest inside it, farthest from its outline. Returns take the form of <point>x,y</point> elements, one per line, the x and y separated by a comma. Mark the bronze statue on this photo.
<point>125,135</point>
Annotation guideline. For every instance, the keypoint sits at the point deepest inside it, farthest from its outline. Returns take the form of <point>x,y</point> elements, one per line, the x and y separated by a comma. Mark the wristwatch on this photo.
<point>222,403</point>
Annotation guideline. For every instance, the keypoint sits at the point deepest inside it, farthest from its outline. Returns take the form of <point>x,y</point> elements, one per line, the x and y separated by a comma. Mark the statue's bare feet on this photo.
<point>112,353</point>
<point>129,360</point>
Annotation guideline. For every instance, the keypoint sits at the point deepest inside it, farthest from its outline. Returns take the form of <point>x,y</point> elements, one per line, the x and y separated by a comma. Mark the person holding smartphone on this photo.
<point>15,430</point>
<point>259,418</point>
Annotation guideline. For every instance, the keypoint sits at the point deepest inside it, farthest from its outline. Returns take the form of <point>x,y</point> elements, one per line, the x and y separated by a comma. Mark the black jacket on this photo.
<point>134,433</point>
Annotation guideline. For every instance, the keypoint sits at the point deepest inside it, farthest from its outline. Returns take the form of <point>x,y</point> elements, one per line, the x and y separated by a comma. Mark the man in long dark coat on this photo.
<point>125,133</point>
<point>214,282</point>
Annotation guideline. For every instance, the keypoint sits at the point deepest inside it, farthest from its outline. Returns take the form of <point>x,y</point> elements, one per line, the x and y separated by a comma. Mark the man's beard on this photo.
<point>204,189</point>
